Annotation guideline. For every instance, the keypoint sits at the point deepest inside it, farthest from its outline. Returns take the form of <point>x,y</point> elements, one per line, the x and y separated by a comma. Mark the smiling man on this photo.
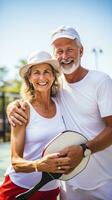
<point>86,106</point>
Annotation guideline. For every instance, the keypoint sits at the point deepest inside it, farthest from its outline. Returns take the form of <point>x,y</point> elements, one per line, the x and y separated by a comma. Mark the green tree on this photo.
<point>21,63</point>
<point>3,74</point>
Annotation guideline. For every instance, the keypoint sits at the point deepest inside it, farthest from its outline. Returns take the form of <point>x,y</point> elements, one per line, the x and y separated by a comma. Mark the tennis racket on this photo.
<point>61,141</point>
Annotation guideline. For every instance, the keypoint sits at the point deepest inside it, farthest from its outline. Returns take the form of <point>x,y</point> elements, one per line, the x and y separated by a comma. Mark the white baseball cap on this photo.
<point>65,32</point>
<point>39,58</point>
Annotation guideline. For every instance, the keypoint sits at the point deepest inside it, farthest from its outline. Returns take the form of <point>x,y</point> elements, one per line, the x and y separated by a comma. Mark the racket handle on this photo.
<point>46,177</point>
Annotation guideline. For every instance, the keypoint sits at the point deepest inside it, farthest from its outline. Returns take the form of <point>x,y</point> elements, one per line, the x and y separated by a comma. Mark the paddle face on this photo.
<point>63,140</point>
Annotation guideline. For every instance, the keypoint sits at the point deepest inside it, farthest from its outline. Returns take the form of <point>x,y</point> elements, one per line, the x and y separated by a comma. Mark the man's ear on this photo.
<point>81,51</point>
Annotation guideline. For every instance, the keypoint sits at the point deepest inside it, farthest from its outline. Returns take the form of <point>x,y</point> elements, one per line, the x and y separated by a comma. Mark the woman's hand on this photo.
<point>53,163</point>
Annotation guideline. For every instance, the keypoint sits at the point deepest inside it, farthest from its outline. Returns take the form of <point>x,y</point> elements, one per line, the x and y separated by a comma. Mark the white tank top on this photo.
<point>39,132</point>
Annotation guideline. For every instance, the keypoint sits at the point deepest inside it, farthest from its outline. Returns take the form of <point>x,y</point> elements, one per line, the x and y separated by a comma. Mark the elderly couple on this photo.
<point>81,101</point>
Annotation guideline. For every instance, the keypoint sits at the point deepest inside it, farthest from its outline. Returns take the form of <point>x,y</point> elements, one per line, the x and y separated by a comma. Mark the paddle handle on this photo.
<point>46,177</point>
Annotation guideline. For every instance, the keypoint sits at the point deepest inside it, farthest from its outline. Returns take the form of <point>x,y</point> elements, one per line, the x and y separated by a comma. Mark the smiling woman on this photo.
<point>40,76</point>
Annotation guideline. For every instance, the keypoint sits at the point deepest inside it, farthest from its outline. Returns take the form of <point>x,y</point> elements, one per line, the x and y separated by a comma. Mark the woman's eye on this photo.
<point>36,72</point>
<point>39,73</point>
<point>47,72</point>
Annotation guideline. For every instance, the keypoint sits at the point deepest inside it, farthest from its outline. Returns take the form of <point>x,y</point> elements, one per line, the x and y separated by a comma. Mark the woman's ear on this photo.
<point>30,81</point>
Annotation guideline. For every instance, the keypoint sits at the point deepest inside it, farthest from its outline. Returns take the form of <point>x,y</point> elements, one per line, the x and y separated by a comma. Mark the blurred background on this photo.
<point>26,25</point>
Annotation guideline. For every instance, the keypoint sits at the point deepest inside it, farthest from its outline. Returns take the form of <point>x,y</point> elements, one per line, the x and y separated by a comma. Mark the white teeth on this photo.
<point>66,62</point>
<point>42,83</point>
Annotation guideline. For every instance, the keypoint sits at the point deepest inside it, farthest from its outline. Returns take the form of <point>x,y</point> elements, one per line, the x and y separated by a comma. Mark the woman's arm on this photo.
<point>17,148</point>
<point>48,163</point>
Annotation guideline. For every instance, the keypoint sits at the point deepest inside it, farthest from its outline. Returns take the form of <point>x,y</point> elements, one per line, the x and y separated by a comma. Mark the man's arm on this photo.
<point>16,112</point>
<point>103,139</point>
<point>99,143</point>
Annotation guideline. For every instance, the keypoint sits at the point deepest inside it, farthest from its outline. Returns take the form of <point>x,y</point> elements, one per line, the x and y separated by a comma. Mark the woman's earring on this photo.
<point>53,90</point>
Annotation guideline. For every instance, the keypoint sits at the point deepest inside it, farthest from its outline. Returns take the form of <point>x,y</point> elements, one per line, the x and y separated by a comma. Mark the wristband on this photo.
<point>36,166</point>
<point>86,150</point>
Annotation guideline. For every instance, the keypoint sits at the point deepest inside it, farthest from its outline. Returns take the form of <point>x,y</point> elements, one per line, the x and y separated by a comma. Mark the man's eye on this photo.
<point>59,52</point>
<point>70,50</point>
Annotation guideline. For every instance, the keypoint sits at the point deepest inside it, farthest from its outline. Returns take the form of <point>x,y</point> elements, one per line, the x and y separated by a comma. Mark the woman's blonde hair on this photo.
<point>27,89</point>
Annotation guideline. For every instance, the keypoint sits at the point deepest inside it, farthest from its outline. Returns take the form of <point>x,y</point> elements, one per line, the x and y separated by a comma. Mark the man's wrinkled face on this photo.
<point>68,53</point>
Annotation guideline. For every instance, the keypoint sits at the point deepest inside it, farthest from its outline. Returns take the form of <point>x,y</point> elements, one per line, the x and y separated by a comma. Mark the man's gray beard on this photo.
<point>71,69</point>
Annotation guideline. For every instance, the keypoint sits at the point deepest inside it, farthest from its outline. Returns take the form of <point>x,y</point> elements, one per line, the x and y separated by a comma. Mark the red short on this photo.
<point>8,191</point>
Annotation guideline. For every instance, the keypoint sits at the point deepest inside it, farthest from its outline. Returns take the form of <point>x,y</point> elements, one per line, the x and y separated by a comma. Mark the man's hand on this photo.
<point>75,155</point>
<point>16,112</point>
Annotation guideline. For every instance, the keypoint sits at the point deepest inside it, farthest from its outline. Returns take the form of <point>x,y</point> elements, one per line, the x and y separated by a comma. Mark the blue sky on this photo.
<point>26,25</point>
